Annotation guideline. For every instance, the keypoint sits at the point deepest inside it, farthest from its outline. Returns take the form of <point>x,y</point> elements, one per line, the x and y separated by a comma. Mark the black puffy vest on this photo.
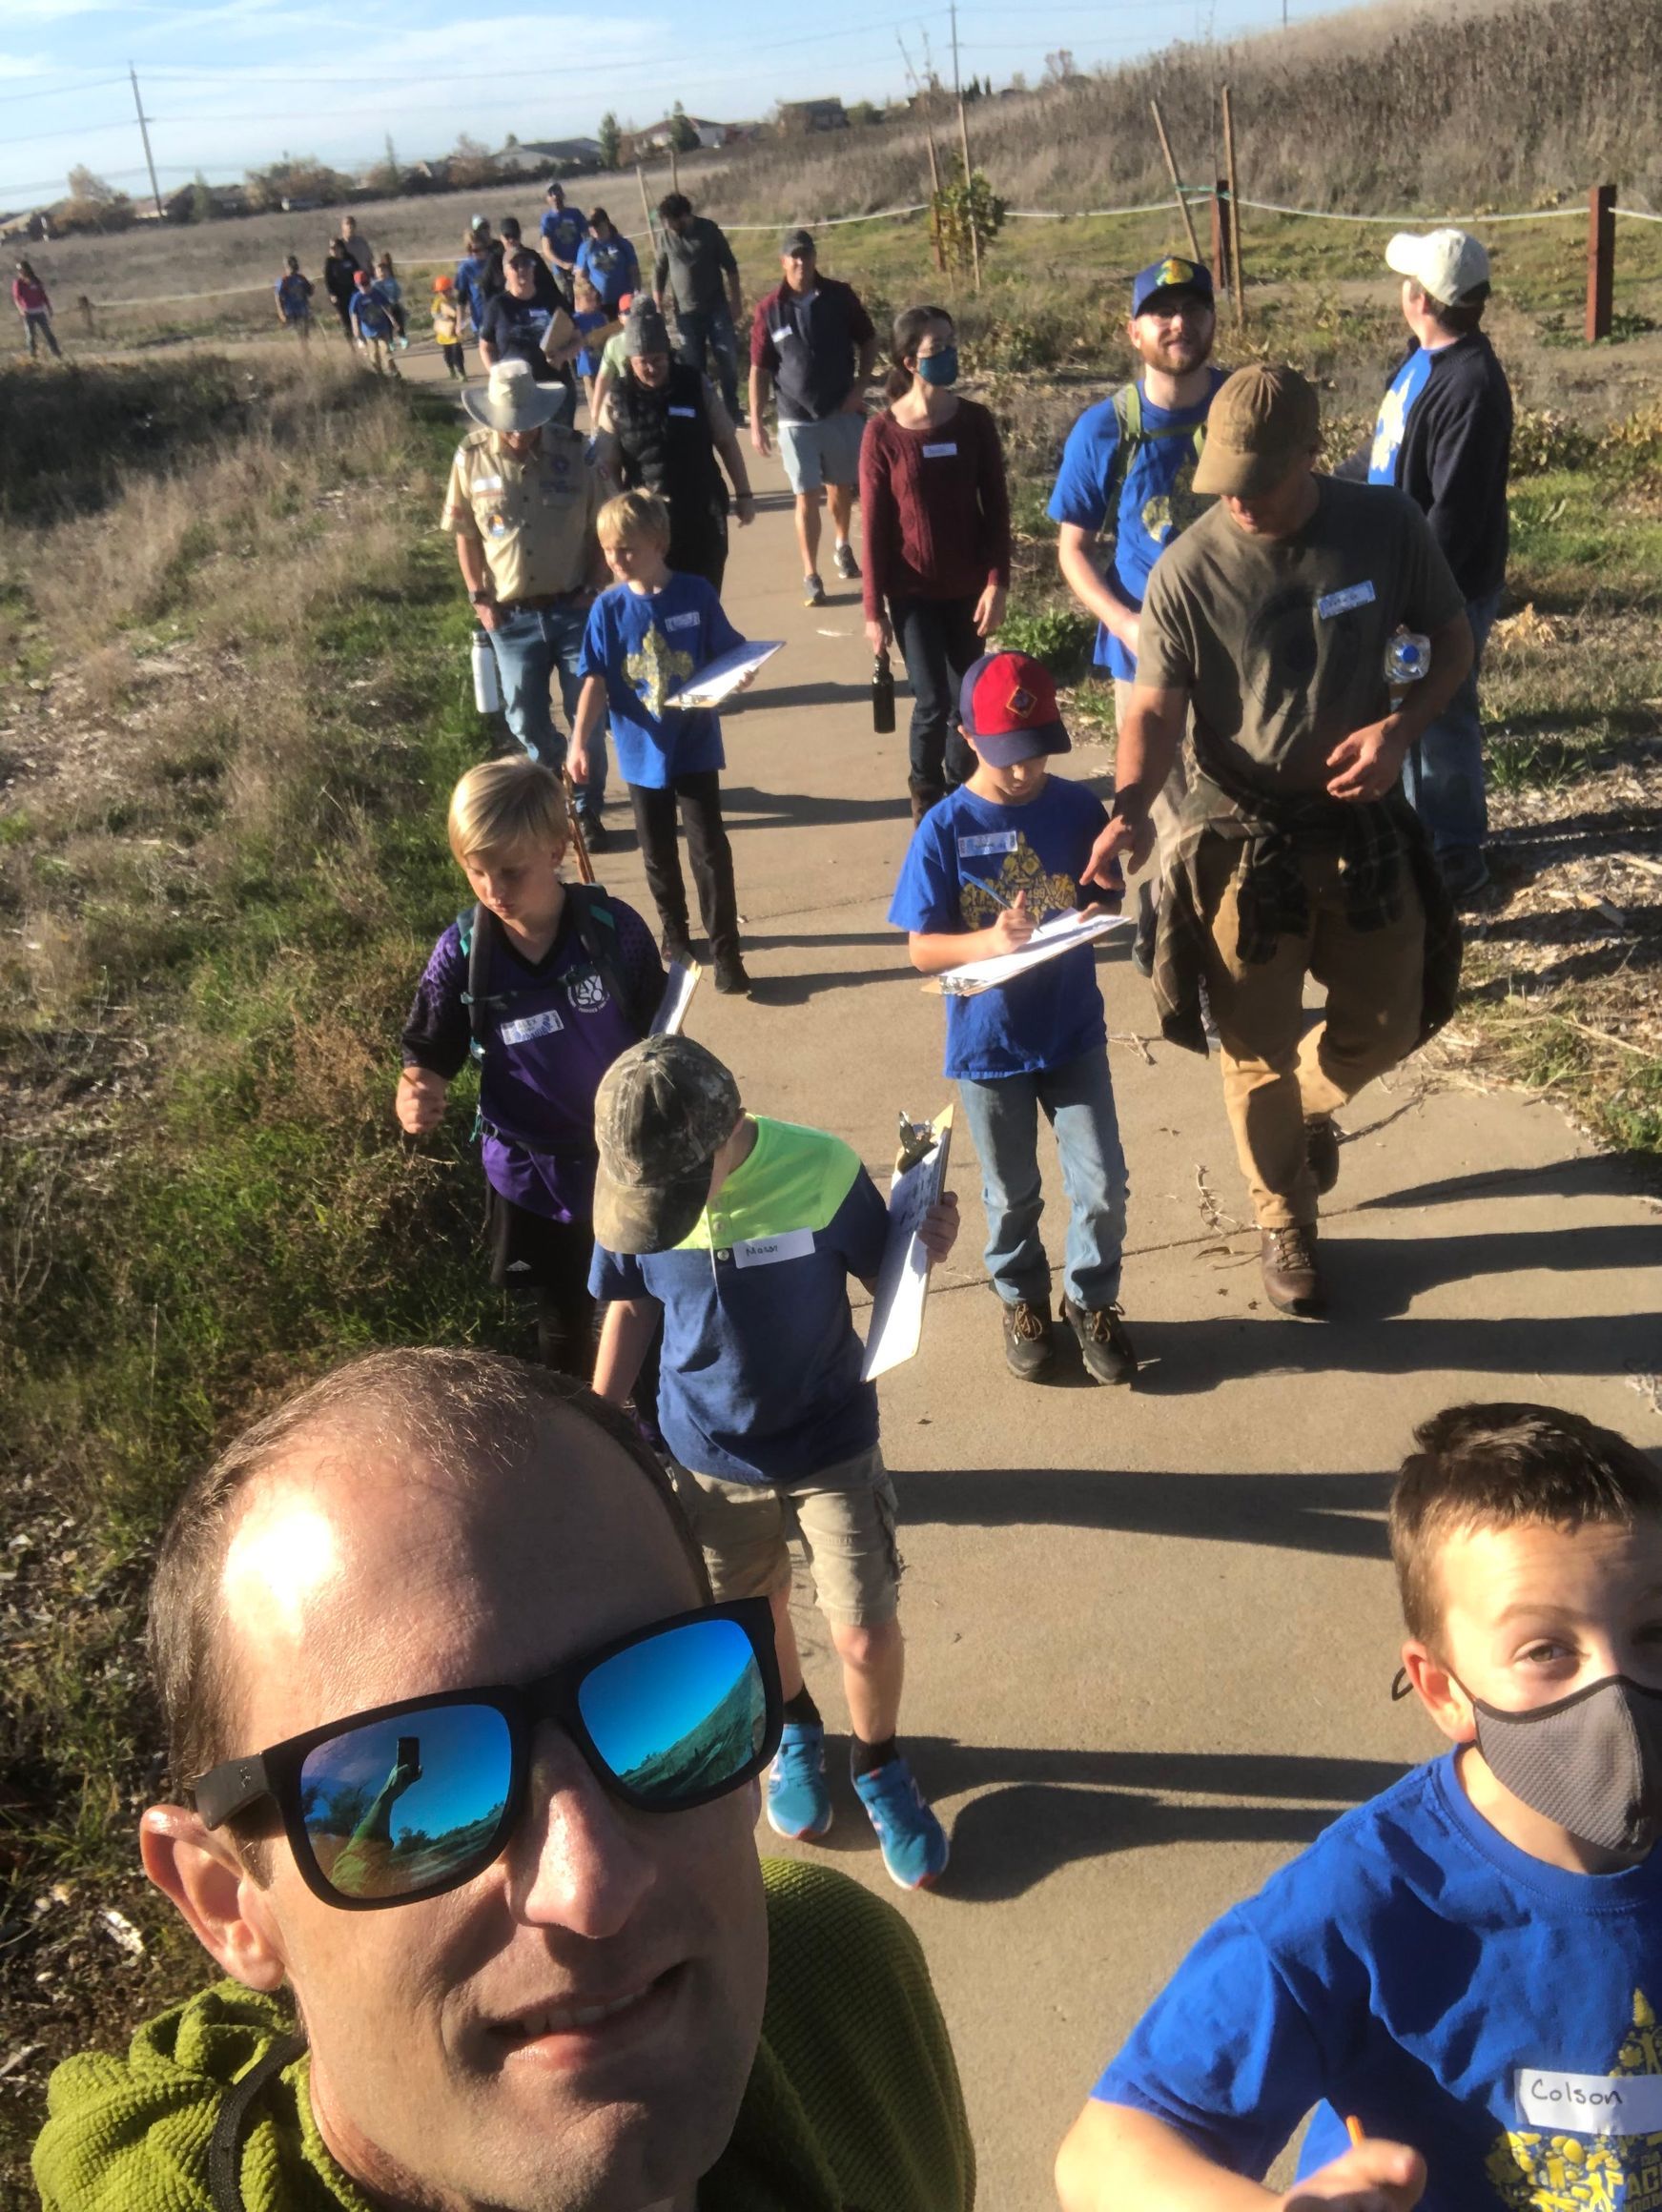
<point>665,441</point>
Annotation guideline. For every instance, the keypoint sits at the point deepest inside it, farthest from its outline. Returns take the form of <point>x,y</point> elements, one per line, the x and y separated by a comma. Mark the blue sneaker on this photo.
<point>914,1842</point>
<point>799,1803</point>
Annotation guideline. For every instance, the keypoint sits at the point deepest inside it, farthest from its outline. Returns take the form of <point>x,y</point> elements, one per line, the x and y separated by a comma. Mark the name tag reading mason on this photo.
<point>690,413</point>
<point>1342,601</point>
<point>939,452</point>
<point>769,1251</point>
<point>1590,2103</point>
<point>532,1025</point>
<point>995,841</point>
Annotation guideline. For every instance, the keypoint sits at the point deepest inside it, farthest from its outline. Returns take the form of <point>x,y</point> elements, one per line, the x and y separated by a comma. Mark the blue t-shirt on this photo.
<point>1053,1013</point>
<point>1156,499</point>
<point>1392,425</point>
<point>371,316</point>
<point>610,266</point>
<point>587,319</point>
<point>760,1381</point>
<point>1416,1969</point>
<point>563,232</point>
<point>646,644</point>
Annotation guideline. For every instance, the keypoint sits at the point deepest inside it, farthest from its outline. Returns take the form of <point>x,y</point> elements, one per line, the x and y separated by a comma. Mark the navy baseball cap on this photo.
<point>1008,704</point>
<point>1172,275</point>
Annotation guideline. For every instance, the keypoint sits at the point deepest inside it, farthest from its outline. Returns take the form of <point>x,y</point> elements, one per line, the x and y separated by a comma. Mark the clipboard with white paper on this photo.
<point>719,679</point>
<point>903,1278</point>
<point>678,991</point>
<point>1057,933</point>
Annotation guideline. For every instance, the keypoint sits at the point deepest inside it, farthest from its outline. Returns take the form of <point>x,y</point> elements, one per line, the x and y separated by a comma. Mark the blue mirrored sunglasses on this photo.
<point>407,1800</point>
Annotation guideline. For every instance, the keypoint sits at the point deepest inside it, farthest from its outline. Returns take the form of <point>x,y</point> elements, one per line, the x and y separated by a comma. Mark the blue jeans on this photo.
<point>1442,774</point>
<point>531,647</point>
<point>707,331</point>
<point>1078,1101</point>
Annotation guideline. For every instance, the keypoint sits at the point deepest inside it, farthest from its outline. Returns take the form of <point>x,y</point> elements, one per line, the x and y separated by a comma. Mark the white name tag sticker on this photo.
<point>938,452</point>
<point>690,413</point>
<point>1342,601</point>
<point>770,1251</point>
<point>995,841</point>
<point>1590,2103</point>
<point>779,336</point>
<point>487,483</point>
<point>681,622</point>
<point>532,1025</point>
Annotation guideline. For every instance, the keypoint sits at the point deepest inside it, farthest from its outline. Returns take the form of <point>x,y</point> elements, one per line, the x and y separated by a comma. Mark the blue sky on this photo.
<point>233,84</point>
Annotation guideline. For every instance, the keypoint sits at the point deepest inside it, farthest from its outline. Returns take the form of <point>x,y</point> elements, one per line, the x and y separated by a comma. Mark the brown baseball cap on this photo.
<point>1263,420</point>
<point>664,1110</point>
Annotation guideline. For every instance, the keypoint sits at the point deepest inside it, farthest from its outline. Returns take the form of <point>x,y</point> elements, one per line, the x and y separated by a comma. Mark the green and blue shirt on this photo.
<point>761,1365</point>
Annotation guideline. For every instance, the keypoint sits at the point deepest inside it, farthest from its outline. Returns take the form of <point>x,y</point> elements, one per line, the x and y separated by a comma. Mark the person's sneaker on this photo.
<point>1292,1281</point>
<point>1029,1348</point>
<point>1321,1150</point>
<point>1104,1342</point>
<point>914,1842</point>
<point>730,979</point>
<point>798,1796</point>
<point>1464,873</point>
<point>594,830</point>
<point>813,591</point>
<point>848,568</point>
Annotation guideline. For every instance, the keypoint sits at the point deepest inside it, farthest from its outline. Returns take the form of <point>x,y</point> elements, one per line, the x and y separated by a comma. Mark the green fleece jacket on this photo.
<point>853,2104</point>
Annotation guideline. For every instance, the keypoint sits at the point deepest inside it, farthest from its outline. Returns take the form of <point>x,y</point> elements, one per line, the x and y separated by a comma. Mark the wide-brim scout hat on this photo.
<point>664,1110</point>
<point>1263,419</point>
<point>512,398</point>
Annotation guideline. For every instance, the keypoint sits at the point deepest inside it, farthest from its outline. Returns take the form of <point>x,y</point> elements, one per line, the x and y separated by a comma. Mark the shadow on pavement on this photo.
<point>798,990</point>
<point>765,810</point>
<point>1323,1513</point>
<point>1596,1176</point>
<point>1379,1276</point>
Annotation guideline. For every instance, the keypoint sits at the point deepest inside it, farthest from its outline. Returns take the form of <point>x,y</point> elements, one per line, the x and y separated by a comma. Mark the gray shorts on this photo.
<point>817,454</point>
<point>844,1517</point>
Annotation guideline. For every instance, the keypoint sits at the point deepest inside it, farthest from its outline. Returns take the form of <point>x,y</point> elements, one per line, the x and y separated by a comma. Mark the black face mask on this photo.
<point>1591,1761</point>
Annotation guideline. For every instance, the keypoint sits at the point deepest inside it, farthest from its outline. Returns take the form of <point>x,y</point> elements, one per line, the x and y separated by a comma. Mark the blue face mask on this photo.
<point>941,367</point>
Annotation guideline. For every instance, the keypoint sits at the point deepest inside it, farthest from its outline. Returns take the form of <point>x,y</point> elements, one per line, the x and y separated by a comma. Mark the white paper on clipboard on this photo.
<point>719,679</point>
<point>903,1278</point>
<point>683,975</point>
<point>1059,933</point>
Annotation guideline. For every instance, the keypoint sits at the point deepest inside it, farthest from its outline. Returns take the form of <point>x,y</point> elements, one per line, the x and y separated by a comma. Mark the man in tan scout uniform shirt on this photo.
<point>521,504</point>
<point>1296,853</point>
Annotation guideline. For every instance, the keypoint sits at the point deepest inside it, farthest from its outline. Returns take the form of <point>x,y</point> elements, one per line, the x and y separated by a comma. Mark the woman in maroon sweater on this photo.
<point>936,539</point>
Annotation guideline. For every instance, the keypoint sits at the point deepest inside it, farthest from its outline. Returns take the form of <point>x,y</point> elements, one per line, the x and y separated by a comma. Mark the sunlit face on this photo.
<point>799,269</point>
<point>650,369</point>
<point>1014,782</point>
<point>1280,510</point>
<point>1174,331</point>
<point>573,2028</point>
<point>633,558</point>
<point>520,283</point>
<point>518,884</point>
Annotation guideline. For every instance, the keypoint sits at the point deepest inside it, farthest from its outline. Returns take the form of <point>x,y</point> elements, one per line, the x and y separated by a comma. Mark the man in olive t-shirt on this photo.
<point>1297,854</point>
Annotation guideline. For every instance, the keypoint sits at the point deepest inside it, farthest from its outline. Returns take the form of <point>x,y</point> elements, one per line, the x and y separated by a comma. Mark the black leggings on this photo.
<point>707,849</point>
<point>939,644</point>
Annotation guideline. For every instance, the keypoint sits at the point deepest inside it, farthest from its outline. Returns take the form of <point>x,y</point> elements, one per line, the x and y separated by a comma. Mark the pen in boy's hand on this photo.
<point>1355,2130</point>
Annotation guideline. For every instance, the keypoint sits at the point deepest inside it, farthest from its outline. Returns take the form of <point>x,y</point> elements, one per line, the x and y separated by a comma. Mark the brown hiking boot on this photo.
<point>1104,1340</point>
<point>1291,1277</point>
<point>924,797</point>
<point>1321,1150</point>
<point>1029,1348</point>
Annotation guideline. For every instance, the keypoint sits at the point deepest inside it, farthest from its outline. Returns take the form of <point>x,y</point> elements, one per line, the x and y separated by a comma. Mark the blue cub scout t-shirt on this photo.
<point>760,1379</point>
<point>1415,1968</point>
<point>962,846</point>
<point>1391,427</point>
<point>1155,497</point>
<point>646,644</point>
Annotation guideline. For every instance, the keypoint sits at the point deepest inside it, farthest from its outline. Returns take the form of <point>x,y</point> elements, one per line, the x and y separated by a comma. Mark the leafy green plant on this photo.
<point>1062,637</point>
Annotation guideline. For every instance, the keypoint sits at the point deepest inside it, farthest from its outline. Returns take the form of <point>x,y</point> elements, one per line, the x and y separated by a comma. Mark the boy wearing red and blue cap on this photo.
<point>985,867</point>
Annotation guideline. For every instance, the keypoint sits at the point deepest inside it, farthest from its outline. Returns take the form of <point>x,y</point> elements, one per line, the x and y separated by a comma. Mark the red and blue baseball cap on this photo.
<point>1172,275</point>
<point>1008,704</point>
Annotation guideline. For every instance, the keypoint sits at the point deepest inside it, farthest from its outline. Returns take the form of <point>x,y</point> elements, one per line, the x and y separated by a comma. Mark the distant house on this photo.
<point>799,116</point>
<point>537,158</point>
<point>659,138</point>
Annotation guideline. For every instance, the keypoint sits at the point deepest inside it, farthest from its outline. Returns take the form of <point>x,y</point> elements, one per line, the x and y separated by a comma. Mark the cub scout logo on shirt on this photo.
<point>656,670</point>
<point>1587,2142</point>
<point>586,991</point>
<point>769,1251</point>
<point>1021,871</point>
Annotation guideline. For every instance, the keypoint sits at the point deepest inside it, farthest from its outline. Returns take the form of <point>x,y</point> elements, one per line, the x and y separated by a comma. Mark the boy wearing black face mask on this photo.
<point>1466,1968</point>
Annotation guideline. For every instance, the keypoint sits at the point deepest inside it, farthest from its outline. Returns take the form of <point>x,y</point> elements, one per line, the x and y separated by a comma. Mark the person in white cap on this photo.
<point>1444,436</point>
<point>522,504</point>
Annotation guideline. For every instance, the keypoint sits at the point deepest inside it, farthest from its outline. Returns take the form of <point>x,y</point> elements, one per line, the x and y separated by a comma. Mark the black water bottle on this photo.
<point>882,695</point>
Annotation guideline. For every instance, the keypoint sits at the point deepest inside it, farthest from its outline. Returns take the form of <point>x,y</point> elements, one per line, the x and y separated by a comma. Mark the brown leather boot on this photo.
<point>1292,1281</point>
<point>924,797</point>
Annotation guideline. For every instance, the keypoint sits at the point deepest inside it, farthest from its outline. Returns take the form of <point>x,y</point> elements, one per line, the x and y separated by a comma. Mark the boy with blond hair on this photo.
<point>1460,1977</point>
<point>543,983</point>
<point>650,634</point>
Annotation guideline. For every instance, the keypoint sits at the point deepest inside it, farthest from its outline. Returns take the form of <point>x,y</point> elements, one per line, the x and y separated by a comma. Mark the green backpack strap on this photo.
<point>597,926</point>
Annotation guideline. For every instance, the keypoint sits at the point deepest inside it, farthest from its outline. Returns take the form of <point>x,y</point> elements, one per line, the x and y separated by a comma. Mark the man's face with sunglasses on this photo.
<point>512,1881</point>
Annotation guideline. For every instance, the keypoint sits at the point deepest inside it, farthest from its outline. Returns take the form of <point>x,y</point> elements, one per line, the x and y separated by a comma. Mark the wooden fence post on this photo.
<point>1237,279</point>
<point>1601,259</point>
<point>86,307</point>
<point>1222,279</point>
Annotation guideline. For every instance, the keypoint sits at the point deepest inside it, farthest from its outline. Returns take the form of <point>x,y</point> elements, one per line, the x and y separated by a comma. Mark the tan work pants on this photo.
<point>1275,1073</point>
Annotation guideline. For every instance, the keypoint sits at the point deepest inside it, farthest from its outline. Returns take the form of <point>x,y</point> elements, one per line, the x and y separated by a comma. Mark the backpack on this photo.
<point>1134,433</point>
<point>597,928</point>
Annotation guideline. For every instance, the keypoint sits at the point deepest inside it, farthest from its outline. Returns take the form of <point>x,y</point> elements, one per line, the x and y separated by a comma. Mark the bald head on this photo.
<point>397,1473</point>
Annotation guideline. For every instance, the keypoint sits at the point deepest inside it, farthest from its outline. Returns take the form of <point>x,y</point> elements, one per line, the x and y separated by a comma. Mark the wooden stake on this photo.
<point>579,847</point>
<point>1237,273</point>
<point>1601,259</point>
<point>1165,146</point>
<point>1220,207</point>
<point>646,207</point>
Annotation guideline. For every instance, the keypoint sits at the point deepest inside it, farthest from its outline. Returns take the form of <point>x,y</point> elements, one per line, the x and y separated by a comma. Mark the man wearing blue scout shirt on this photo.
<point>1445,437</point>
<point>1126,488</point>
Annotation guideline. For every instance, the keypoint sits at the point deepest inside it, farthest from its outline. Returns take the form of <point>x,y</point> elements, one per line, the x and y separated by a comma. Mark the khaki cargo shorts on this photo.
<point>844,1518</point>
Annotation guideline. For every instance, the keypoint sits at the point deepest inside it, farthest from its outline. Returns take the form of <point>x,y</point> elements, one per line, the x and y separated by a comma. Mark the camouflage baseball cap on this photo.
<point>664,1110</point>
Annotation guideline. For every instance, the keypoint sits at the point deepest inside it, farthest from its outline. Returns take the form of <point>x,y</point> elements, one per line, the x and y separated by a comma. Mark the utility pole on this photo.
<point>964,147</point>
<point>144,134</point>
